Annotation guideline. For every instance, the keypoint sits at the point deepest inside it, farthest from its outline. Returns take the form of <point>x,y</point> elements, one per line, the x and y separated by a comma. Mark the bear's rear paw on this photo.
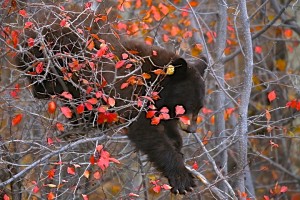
<point>181,182</point>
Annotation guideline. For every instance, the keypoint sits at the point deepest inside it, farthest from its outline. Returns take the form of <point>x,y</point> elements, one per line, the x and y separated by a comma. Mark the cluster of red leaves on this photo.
<point>15,92</point>
<point>104,115</point>
<point>157,187</point>
<point>294,104</point>
<point>276,191</point>
<point>103,159</point>
<point>163,114</point>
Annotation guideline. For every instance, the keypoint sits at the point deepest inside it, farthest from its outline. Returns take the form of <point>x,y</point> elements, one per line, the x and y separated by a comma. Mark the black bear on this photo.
<point>147,83</point>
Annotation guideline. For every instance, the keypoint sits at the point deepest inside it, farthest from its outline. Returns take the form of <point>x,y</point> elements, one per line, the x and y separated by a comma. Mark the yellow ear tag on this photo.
<point>170,70</point>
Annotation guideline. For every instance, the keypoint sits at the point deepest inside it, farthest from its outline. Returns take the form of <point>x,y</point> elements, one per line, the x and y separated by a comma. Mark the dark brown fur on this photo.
<point>162,143</point>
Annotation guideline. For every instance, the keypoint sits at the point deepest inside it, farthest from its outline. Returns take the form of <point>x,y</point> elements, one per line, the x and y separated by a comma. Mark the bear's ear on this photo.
<point>180,68</point>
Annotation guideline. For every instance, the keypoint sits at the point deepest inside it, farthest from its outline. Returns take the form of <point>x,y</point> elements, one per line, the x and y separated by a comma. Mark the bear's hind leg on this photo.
<point>161,151</point>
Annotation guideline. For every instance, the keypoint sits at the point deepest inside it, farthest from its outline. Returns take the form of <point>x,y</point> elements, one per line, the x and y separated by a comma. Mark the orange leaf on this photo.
<point>146,76</point>
<point>60,126</point>
<point>272,96</point>
<point>97,175</point>
<point>194,3</point>
<point>91,44</point>
<point>164,9</point>
<point>185,120</point>
<point>86,174</point>
<point>16,119</point>
<point>288,33</point>
<point>150,114</point>
<point>155,120</point>
<point>51,107</point>
<point>93,101</point>
<point>280,64</point>
<point>159,71</point>
<point>268,115</point>
<point>66,111</point>
<point>51,196</point>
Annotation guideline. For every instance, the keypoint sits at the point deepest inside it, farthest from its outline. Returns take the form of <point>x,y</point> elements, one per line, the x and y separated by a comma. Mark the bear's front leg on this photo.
<point>157,144</point>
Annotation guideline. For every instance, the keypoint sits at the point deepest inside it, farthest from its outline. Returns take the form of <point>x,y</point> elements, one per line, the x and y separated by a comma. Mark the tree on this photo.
<point>246,142</point>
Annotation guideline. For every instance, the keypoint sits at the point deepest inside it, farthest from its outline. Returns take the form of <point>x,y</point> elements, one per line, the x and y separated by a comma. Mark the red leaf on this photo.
<point>266,197</point>
<point>206,110</point>
<point>80,108</point>
<point>150,114</point>
<point>99,147</point>
<point>133,195</point>
<point>166,187</point>
<point>102,51</point>
<point>164,110</point>
<point>124,56</point>
<point>23,13</point>
<point>114,160</point>
<point>60,126</point>
<point>71,170</point>
<point>88,106</point>
<point>185,120</point>
<point>51,107</point>
<point>98,94</point>
<point>124,85</point>
<point>111,102</point>
<point>6,197</point>
<point>155,120</point>
<point>156,188</point>
<point>49,141</point>
<point>66,111</point>
<point>92,159</point>
<point>51,173</point>
<point>195,166</point>
<point>84,196</point>
<point>67,95</point>
<point>103,163</point>
<point>30,42</point>
<point>258,49</point>
<point>164,116</point>
<point>39,68</point>
<point>28,25</point>
<point>16,119</point>
<point>120,63</point>
<point>179,110</point>
<point>272,96</point>
<point>35,189</point>
<point>283,189</point>
<point>64,23</point>
<point>111,117</point>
